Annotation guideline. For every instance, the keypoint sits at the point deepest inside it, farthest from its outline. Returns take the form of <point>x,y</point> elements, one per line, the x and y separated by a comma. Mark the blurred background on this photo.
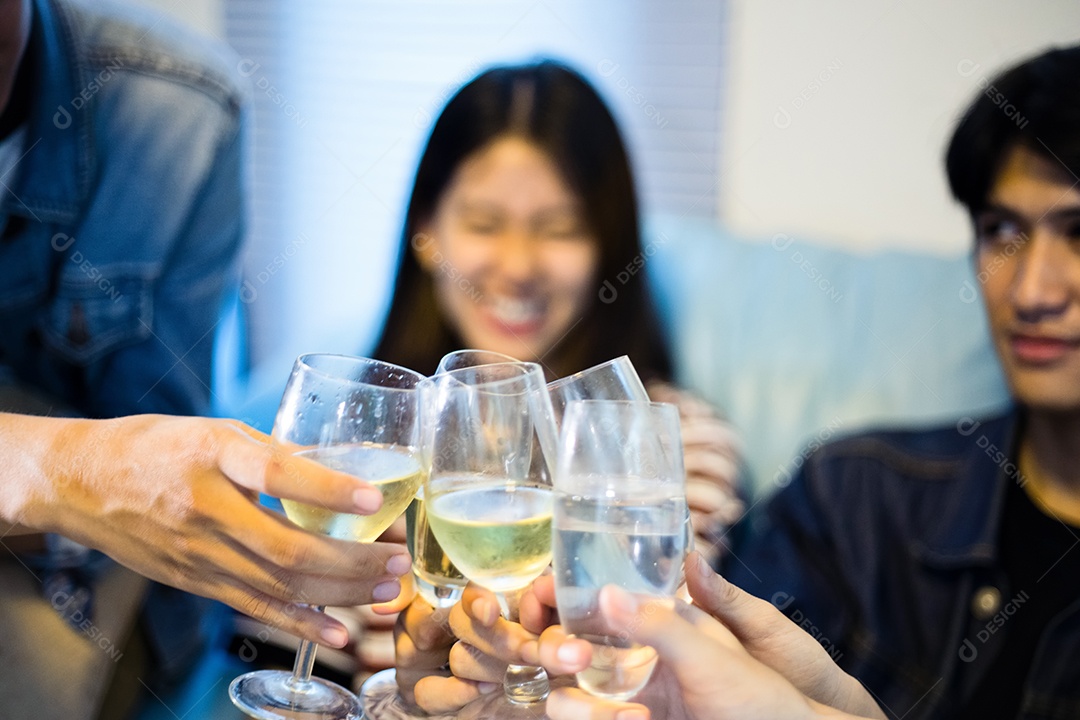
<point>824,119</point>
<point>788,155</point>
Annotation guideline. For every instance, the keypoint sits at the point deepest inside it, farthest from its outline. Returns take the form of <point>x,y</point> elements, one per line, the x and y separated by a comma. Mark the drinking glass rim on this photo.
<point>559,382</point>
<point>462,351</point>
<point>303,360</point>
<point>529,369</point>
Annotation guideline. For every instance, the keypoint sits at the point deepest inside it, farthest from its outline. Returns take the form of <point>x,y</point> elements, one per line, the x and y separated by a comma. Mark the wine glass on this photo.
<point>619,518</point>
<point>359,416</point>
<point>612,380</point>
<point>438,581</point>
<point>489,434</point>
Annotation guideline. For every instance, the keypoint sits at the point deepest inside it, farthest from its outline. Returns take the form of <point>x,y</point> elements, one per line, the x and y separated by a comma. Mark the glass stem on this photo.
<point>305,659</point>
<point>523,684</point>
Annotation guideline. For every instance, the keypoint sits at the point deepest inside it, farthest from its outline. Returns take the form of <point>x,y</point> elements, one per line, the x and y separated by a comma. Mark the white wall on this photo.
<point>837,112</point>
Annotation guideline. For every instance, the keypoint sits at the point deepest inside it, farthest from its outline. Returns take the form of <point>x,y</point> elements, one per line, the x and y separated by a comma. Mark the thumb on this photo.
<point>745,615</point>
<point>653,622</point>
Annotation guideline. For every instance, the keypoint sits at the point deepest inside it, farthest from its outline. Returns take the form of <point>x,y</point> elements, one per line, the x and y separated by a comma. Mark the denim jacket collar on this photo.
<point>53,178</point>
<point>966,533</point>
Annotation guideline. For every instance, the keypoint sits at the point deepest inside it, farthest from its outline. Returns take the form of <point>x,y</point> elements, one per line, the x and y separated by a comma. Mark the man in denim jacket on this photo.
<point>121,216</point>
<point>121,212</point>
<point>942,567</point>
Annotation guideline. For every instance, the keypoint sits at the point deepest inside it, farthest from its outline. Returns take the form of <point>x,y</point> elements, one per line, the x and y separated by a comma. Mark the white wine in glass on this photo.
<point>498,532</point>
<point>395,472</point>
<point>438,580</point>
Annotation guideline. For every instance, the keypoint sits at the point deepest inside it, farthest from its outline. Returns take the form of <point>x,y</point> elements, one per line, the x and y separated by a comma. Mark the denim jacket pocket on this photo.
<point>99,309</point>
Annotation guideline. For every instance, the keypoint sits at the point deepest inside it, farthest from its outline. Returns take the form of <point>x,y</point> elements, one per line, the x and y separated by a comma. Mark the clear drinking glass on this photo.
<point>619,518</point>
<point>613,380</point>
<point>359,416</point>
<point>438,580</point>
<point>489,436</point>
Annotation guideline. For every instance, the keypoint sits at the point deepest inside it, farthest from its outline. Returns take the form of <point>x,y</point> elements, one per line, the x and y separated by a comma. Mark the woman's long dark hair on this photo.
<point>556,109</point>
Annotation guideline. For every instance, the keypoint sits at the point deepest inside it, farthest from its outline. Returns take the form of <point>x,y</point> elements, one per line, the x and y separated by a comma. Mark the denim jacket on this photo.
<point>884,549</point>
<point>121,223</point>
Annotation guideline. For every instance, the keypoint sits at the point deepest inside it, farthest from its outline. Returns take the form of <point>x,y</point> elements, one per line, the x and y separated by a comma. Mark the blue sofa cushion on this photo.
<point>797,342</point>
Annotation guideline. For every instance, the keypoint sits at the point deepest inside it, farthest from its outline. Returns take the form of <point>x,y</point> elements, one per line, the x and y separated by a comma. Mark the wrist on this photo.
<point>47,456</point>
<point>24,449</point>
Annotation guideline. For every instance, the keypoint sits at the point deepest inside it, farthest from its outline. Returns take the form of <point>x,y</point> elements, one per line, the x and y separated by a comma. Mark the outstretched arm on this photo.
<point>176,499</point>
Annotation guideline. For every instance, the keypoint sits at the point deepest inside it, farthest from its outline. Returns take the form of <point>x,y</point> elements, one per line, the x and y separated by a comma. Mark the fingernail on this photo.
<point>701,567</point>
<point>530,654</point>
<point>399,565</point>
<point>386,591</point>
<point>483,611</point>
<point>566,654</point>
<point>334,636</point>
<point>487,688</point>
<point>367,500</point>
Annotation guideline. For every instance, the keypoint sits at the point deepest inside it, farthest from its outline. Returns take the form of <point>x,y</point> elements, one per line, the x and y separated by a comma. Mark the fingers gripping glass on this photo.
<point>358,416</point>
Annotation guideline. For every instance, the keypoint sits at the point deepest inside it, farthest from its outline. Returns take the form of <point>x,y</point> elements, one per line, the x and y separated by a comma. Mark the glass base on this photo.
<point>497,706</point>
<point>438,595</point>
<point>380,700</point>
<point>273,695</point>
<point>526,684</point>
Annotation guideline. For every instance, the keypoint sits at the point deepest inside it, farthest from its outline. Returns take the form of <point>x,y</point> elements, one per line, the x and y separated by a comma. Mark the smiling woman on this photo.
<point>523,206</point>
<point>518,263</point>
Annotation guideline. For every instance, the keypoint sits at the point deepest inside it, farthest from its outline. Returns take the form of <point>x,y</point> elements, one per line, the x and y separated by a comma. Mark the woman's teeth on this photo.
<point>516,312</point>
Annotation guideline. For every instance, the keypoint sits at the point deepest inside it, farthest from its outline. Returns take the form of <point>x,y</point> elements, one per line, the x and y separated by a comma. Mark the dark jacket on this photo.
<point>884,548</point>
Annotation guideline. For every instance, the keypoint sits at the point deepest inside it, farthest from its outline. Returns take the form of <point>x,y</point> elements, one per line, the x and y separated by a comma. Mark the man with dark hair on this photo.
<point>943,565</point>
